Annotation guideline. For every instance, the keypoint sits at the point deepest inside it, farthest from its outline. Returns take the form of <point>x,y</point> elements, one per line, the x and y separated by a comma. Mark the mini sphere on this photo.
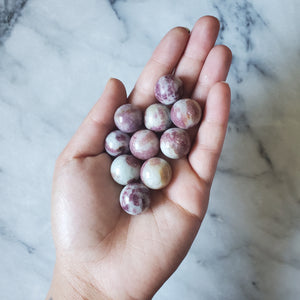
<point>175,143</point>
<point>186,113</point>
<point>135,198</point>
<point>156,173</point>
<point>128,118</point>
<point>125,169</point>
<point>157,117</point>
<point>168,89</point>
<point>117,143</point>
<point>144,144</point>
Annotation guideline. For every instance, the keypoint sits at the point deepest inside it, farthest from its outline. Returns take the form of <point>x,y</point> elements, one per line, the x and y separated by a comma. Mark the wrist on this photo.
<point>66,285</point>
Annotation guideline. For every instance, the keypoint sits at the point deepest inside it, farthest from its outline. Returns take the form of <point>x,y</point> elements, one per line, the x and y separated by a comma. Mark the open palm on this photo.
<point>129,257</point>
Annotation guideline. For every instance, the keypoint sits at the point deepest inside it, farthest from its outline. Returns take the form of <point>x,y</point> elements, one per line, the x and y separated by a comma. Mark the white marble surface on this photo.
<point>55,58</point>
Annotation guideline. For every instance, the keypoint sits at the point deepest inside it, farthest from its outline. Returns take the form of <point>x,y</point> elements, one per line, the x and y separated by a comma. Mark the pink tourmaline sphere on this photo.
<point>117,143</point>
<point>186,113</point>
<point>144,144</point>
<point>135,198</point>
<point>128,118</point>
<point>175,143</point>
<point>156,173</point>
<point>157,117</point>
<point>125,169</point>
<point>168,89</point>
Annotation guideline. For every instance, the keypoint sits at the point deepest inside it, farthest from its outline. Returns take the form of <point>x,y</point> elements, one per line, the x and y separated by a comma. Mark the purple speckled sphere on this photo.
<point>128,118</point>
<point>144,144</point>
<point>175,143</point>
<point>117,143</point>
<point>156,173</point>
<point>135,198</point>
<point>186,113</point>
<point>125,169</point>
<point>157,117</point>
<point>168,89</point>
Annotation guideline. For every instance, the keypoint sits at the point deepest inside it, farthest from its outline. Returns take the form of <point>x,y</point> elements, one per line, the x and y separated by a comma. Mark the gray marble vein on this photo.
<point>9,236</point>
<point>10,10</point>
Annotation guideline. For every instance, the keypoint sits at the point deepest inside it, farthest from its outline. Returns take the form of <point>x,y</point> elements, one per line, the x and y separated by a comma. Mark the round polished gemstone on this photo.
<point>156,173</point>
<point>128,118</point>
<point>125,169</point>
<point>186,113</point>
<point>168,89</point>
<point>117,143</point>
<point>144,144</point>
<point>135,198</point>
<point>175,143</point>
<point>157,117</point>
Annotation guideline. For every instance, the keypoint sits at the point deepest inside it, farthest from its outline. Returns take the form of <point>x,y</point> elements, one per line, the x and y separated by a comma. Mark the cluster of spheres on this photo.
<point>142,137</point>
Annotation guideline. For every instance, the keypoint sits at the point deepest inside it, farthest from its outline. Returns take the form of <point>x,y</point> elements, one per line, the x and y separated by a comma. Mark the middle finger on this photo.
<point>202,40</point>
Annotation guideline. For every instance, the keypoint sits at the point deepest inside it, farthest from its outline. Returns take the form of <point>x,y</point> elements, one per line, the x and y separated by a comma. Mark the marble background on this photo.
<point>55,58</point>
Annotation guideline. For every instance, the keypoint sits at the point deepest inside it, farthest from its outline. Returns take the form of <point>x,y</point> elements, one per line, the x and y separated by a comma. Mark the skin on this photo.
<point>102,252</point>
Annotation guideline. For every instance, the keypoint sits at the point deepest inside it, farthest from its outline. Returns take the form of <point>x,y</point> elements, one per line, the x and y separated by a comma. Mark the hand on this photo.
<point>102,252</point>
